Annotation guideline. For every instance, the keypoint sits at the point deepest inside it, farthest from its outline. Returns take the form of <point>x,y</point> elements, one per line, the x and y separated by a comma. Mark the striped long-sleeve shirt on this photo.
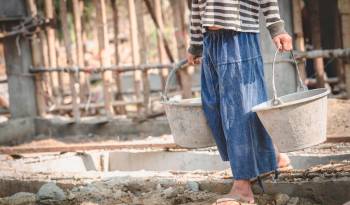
<point>238,15</point>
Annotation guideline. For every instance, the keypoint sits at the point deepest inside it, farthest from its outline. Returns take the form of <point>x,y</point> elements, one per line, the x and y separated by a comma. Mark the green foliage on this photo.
<point>87,15</point>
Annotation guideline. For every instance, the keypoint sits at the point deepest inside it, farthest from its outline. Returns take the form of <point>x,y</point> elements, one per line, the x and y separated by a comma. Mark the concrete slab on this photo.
<point>164,161</point>
<point>156,160</point>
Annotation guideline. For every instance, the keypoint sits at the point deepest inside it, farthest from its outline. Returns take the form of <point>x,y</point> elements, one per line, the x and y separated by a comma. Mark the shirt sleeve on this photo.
<point>196,43</point>
<point>274,23</point>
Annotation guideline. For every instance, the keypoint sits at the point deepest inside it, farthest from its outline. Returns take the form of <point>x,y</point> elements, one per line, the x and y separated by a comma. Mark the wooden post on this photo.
<point>105,58</point>
<point>314,10</point>
<point>48,81</point>
<point>298,33</point>
<point>118,82</point>
<point>160,42</point>
<point>338,44</point>
<point>135,47</point>
<point>178,8</point>
<point>84,84</point>
<point>143,53</point>
<point>344,10</point>
<point>68,46</point>
<point>51,45</point>
<point>37,61</point>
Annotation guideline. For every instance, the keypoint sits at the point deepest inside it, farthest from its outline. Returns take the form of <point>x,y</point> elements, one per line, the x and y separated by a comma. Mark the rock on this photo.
<point>170,192</point>
<point>293,201</point>
<point>281,199</point>
<point>193,186</point>
<point>50,193</point>
<point>21,198</point>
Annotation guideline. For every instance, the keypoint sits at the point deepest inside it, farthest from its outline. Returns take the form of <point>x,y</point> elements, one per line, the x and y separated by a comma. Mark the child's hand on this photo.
<point>192,59</point>
<point>283,42</point>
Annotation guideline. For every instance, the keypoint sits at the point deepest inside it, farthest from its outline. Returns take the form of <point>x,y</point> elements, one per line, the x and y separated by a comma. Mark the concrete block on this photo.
<point>16,131</point>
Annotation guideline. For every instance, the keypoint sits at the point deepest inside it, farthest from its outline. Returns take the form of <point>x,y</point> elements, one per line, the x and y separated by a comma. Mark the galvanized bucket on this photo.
<point>186,118</point>
<point>295,121</point>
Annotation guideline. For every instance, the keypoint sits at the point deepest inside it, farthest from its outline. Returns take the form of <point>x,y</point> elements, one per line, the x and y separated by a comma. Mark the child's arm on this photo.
<point>196,43</point>
<point>274,23</point>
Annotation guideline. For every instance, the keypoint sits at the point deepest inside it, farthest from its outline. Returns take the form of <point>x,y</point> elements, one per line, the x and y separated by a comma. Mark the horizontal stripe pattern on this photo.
<point>238,15</point>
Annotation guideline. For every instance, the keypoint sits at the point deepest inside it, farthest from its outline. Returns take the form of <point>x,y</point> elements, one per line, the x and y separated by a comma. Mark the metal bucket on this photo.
<point>295,121</point>
<point>186,118</point>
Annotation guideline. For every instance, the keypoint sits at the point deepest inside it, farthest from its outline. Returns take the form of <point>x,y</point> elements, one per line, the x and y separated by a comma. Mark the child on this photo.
<point>225,34</point>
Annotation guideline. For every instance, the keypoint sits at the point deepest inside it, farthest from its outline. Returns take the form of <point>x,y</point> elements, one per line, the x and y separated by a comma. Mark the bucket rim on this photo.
<point>184,102</point>
<point>267,104</point>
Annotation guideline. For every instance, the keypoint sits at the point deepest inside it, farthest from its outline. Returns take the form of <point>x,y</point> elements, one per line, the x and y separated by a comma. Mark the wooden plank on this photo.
<point>75,148</point>
<point>68,44</point>
<point>338,138</point>
<point>104,53</point>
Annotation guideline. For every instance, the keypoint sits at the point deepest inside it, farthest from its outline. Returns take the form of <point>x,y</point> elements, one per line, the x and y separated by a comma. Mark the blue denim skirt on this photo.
<point>232,82</point>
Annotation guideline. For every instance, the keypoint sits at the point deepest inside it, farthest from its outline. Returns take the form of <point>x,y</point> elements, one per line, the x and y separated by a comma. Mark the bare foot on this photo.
<point>283,160</point>
<point>241,191</point>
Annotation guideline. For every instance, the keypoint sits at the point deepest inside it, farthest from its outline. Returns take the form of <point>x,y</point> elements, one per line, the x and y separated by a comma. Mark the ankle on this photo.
<point>242,188</point>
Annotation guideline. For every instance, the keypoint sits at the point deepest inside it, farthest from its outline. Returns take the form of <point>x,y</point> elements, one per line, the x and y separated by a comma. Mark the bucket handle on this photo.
<point>176,67</point>
<point>301,86</point>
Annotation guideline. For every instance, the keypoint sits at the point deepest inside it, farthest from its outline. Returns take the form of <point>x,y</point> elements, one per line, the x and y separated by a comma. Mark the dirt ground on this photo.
<point>147,193</point>
<point>174,188</point>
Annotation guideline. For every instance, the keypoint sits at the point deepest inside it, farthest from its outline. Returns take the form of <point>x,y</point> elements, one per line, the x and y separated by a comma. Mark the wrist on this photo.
<point>276,29</point>
<point>195,50</point>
